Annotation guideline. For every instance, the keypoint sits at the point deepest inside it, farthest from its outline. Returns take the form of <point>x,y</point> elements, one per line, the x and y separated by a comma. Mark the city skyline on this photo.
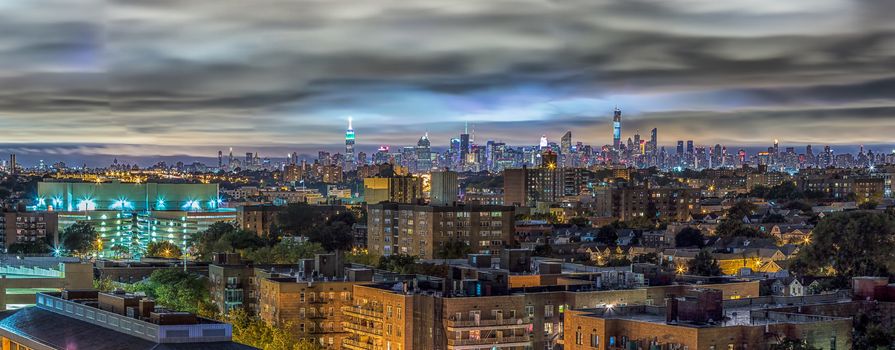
<point>184,78</point>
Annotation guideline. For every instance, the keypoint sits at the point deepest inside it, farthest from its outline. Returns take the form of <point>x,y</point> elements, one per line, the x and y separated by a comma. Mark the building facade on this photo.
<point>421,230</point>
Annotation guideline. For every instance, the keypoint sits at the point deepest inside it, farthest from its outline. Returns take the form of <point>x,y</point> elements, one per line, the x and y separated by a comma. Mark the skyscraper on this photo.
<point>220,159</point>
<point>654,140</point>
<point>565,152</point>
<point>424,153</point>
<point>464,144</point>
<point>617,128</point>
<point>566,143</point>
<point>350,160</point>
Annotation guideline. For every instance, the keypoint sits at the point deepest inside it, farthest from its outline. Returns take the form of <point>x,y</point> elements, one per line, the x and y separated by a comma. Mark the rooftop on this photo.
<point>742,312</point>
<point>61,332</point>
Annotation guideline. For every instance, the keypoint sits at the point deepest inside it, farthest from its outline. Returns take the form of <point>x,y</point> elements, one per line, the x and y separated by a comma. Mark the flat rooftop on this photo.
<point>756,314</point>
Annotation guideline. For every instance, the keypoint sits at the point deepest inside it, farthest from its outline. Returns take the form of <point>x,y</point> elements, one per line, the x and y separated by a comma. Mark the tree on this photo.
<point>36,247</point>
<point>452,249</point>
<point>792,344</point>
<point>730,227</point>
<point>288,251</point>
<point>607,235</point>
<point>850,244</point>
<point>703,264</point>
<point>648,258</point>
<point>774,219</point>
<point>176,289</point>
<point>362,257</point>
<point>255,332</point>
<point>741,209</point>
<point>868,205</point>
<point>543,250</point>
<point>689,237</point>
<point>79,238</point>
<point>399,263</point>
<point>798,205</point>
<point>224,237</point>
<point>163,249</point>
<point>579,221</point>
<point>336,236</point>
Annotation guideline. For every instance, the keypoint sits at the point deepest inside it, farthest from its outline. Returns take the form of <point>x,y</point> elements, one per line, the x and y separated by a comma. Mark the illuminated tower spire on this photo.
<point>617,128</point>
<point>350,160</point>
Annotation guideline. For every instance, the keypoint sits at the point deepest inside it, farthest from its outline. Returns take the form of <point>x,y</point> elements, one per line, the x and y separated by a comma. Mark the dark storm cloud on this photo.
<point>286,74</point>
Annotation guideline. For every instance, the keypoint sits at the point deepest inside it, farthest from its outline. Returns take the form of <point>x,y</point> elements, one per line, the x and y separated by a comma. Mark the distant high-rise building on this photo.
<point>654,140</point>
<point>350,160</point>
<point>617,128</point>
<point>636,143</point>
<point>464,144</point>
<point>717,156</point>
<point>13,168</point>
<point>566,143</point>
<point>424,153</point>
<point>220,159</point>
<point>680,148</point>
<point>543,142</point>
<point>444,188</point>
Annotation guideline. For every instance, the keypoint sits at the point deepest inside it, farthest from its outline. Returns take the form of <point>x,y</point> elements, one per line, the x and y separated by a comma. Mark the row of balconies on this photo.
<point>487,323</point>
<point>361,329</point>
<point>489,341</point>
<point>359,311</point>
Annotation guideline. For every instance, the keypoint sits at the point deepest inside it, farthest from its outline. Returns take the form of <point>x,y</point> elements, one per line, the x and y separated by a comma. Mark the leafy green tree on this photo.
<point>362,257</point>
<point>730,228</point>
<point>36,247</point>
<point>163,249</point>
<point>798,205</point>
<point>607,235</point>
<point>224,237</point>
<point>774,219</point>
<point>176,289</point>
<point>452,249</point>
<point>850,244</point>
<point>335,236</point>
<point>868,205</point>
<point>79,238</point>
<point>648,258</point>
<point>285,252</point>
<point>255,332</point>
<point>579,221</point>
<point>104,284</point>
<point>617,261</point>
<point>543,250</point>
<point>792,344</point>
<point>399,263</point>
<point>703,264</point>
<point>689,237</point>
<point>741,209</point>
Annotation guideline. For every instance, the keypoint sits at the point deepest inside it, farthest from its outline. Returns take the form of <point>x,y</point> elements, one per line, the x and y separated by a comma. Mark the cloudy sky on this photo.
<point>88,78</point>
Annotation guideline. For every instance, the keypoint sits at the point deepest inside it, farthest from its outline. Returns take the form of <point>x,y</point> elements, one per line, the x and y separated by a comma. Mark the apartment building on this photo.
<point>421,229</point>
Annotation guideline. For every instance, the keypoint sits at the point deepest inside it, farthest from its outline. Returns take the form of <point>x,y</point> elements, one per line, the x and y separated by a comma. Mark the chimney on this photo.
<point>147,306</point>
<point>671,309</point>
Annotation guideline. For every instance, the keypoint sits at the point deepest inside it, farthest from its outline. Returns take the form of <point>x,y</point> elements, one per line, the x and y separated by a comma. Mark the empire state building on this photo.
<point>350,159</point>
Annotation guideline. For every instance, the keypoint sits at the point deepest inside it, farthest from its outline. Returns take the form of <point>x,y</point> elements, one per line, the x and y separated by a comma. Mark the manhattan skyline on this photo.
<point>185,79</point>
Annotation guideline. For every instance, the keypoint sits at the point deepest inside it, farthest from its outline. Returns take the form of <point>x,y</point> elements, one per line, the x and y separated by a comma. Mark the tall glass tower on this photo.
<point>617,128</point>
<point>350,159</point>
